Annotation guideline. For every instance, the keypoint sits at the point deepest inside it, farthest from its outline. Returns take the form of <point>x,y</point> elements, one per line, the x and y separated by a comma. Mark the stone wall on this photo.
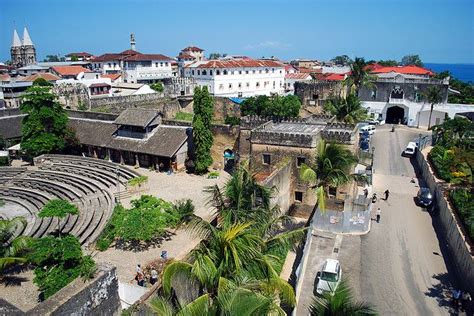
<point>10,112</point>
<point>96,297</point>
<point>459,248</point>
<point>315,93</point>
<point>225,107</point>
<point>92,115</point>
<point>281,180</point>
<point>168,106</point>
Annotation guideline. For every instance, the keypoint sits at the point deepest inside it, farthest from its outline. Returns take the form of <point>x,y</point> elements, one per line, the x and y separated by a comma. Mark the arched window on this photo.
<point>204,72</point>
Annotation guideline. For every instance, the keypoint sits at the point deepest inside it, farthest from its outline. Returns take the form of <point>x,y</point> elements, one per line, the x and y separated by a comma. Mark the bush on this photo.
<point>232,120</point>
<point>183,116</point>
<point>4,161</point>
<point>287,106</point>
<point>463,202</point>
<point>158,87</point>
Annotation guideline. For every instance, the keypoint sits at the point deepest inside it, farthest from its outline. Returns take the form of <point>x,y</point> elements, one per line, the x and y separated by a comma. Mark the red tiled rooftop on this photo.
<point>69,70</point>
<point>330,77</point>
<point>112,77</point>
<point>407,70</point>
<point>46,76</point>
<point>300,76</point>
<point>193,49</point>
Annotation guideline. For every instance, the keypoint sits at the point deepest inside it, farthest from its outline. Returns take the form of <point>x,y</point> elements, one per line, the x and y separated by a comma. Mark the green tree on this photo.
<point>342,303</point>
<point>59,261</point>
<point>359,76</point>
<point>348,110</point>
<point>465,91</point>
<point>42,82</point>
<point>331,168</point>
<point>59,209</point>
<point>286,106</point>
<point>44,129</point>
<point>202,133</point>
<point>52,58</point>
<point>342,60</point>
<point>158,87</point>
<point>13,250</point>
<point>411,60</point>
<point>216,55</point>
<point>388,63</point>
<point>433,96</point>
<point>74,58</point>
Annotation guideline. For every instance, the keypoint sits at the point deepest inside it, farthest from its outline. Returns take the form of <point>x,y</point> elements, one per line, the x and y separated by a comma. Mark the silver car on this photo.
<point>329,277</point>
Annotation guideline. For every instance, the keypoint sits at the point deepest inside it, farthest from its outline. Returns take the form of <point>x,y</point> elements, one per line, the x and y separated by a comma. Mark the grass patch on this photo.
<point>183,116</point>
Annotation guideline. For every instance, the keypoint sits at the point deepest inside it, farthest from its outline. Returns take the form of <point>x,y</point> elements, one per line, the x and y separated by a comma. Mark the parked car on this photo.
<point>329,277</point>
<point>372,122</point>
<point>410,150</point>
<point>424,197</point>
<point>367,128</point>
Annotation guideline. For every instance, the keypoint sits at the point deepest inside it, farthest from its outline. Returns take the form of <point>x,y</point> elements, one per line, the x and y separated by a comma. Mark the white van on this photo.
<point>410,150</point>
<point>367,128</point>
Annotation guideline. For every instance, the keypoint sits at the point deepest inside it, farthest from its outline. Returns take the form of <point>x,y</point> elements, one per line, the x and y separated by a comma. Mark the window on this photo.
<point>280,71</point>
<point>156,64</point>
<point>218,72</point>
<point>230,86</point>
<point>239,95</point>
<point>166,64</point>
<point>224,72</point>
<point>260,71</point>
<point>315,96</point>
<point>240,72</point>
<point>374,94</point>
<point>115,65</point>
<point>232,72</point>
<point>204,72</point>
<point>210,72</point>
<point>192,72</point>
<point>199,72</point>
<point>110,65</point>
<point>273,70</point>
<point>221,87</point>
<point>266,159</point>
<point>266,70</point>
<point>247,84</point>
<point>161,64</point>
<point>298,196</point>
<point>257,84</point>
<point>300,161</point>
<point>246,72</point>
<point>273,84</point>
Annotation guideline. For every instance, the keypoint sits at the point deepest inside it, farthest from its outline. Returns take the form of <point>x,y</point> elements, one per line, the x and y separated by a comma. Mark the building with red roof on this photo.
<point>81,56</point>
<point>69,72</point>
<point>406,70</point>
<point>238,77</point>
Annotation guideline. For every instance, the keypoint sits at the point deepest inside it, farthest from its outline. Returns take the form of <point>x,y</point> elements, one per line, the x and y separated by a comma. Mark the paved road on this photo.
<point>400,267</point>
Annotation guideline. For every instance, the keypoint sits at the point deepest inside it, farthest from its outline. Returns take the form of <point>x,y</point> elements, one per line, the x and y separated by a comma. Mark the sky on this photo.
<point>440,31</point>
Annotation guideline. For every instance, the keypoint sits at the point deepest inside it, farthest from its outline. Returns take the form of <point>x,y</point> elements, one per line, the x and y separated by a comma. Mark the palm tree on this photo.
<point>12,248</point>
<point>342,303</point>
<point>330,169</point>
<point>347,110</point>
<point>433,96</point>
<point>359,75</point>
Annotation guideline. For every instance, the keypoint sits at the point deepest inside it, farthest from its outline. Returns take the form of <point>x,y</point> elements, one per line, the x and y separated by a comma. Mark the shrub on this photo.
<point>158,87</point>
<point>463,202</point>
<point>183,116</point>
<point>4,161</point>
<point>232,120</point>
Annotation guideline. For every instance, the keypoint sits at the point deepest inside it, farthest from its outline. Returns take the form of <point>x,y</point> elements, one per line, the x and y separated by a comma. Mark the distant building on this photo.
<point>292,78</point>
<point>305,63</point>
<point>69,72</point>
<point>23,53</point>
<point>195,52</point>
<point>238,77</point>
<point>31,69</point>
<point>81,56</point>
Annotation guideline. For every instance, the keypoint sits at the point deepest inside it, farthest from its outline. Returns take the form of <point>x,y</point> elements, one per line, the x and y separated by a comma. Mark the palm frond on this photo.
<point>161,306</point>
<point>171,270</point>
<point>198,307</point>
<point>307,173</point>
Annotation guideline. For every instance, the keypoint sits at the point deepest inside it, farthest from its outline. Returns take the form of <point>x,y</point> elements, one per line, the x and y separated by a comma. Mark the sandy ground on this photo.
<point>19,290</point>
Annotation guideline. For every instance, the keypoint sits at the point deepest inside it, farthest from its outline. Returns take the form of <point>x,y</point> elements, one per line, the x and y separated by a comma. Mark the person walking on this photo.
<point>387,193</point>
<point>366,192</point>
<point>153,276</point>
<point>140,279</point>
<point>378,213</point>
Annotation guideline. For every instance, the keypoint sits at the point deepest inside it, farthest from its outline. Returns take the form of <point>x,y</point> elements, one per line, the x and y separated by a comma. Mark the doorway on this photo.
<point>395,115</point>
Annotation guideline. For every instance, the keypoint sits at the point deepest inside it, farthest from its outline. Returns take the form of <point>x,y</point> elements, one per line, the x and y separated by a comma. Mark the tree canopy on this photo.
<point>158,87</point>
<point>13,250</point>
<point>42,82</point>
<point>348,110</point>
<point>54,58</point>
<point>342,60</point>
<point>466,90</point>
<point>44,129</point>
<point>359,75</point>
<point>202,133</point>
<point>411,60</point>
<point>281,106</point>
<point>58,208</point>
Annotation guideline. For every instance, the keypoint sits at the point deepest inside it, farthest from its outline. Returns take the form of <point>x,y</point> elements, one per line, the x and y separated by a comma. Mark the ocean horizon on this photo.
<point>463,72</point>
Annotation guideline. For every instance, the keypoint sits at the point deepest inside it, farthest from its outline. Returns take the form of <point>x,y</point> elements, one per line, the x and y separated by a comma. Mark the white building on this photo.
<point>238,77</point>
<point>135,67</point>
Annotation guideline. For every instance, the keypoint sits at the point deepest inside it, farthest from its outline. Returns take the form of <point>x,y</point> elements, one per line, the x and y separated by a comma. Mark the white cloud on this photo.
<point>268,44</point>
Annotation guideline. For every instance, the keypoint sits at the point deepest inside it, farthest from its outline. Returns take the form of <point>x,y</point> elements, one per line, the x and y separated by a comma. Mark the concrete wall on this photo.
<point>96,297</point>
<point>458,246</point>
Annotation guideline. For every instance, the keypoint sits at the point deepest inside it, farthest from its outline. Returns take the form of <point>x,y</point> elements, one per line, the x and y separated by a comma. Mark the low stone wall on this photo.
<point>458,245</point>
<point>10,112</point>
<point>92,115</point>
<point>96,297</point>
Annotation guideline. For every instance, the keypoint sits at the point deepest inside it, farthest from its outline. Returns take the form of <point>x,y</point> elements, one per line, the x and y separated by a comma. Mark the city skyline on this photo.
<point>284,29</point>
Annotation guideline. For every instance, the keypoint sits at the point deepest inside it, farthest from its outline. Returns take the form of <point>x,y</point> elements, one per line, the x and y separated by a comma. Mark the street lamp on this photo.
<point>419,141</point>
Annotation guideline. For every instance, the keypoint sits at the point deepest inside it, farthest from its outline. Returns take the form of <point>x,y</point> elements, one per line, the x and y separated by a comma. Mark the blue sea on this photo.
<point>464,72</point>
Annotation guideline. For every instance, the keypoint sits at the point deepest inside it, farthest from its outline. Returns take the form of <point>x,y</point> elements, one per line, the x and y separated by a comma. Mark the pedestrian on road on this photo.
<point>387,192</point>
<point>140,279</point>
<point>366,192</point>
<point>378,213</point>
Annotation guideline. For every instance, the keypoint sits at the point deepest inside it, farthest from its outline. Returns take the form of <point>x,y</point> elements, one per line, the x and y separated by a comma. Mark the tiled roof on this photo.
<point>185,56</point>
<point>141,57</point>
<point>298,76</point>
<point>193,49</point>
<point>81,54</point>
<point>408,70</point>
<point>235,63</point>
<point>108,57</point>
<point>330,77</point>
<point>69,70</point>
<point>129,52</point>
<point>100,84</point>
<point>10,126</point>
<point>136,117</point>
<point>112,77</point>
<point>45,75</point>
<point>309,71</point>
<point>5,77</point>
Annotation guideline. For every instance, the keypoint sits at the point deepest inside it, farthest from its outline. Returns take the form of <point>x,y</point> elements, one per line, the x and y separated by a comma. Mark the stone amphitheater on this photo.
<point>88,183</point>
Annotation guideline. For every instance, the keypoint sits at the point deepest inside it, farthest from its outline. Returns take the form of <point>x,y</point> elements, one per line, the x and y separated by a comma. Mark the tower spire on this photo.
<point>26,38</point>
<point>16,39</point>
<point>132,41</point>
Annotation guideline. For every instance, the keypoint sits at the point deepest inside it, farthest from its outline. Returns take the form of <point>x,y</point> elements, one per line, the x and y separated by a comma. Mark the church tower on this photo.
<point>16,51</point>
<point>28,49</point>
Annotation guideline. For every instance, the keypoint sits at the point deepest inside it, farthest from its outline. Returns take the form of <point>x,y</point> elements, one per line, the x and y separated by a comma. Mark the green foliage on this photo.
<point>183,116</point>
<point>463,201</point>
<point>82,106</point>
<point>202,134</point>
<point>4,161</point>
<point>466,90</point>
<point>44,130</point>
<point>41,82</point>
<point>13,251</point>
<point>158,87</point>
<point>216,55</point>
<point>411,60</point>
<point>359,76</point>
<point>342,60</point>
<point>59,261</point>
<point>388,62</point>
<point>58,208</point>
<point>54,58</point>
<point>342,302</point>
<point>148,219</point>
<point>286,106</point>
<point>74,58</point>
<point>232,120</point>
<point>137,181</point>
<point>348,110</point>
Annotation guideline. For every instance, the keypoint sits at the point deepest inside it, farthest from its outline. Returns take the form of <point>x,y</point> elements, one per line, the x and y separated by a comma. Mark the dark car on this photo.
<point>424,197</point>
